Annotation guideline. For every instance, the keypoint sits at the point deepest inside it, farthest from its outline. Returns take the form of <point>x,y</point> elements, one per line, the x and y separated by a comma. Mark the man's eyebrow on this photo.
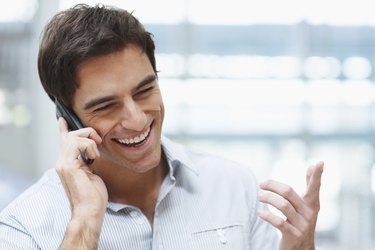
<point>97,101</point>
<point>147,80</point>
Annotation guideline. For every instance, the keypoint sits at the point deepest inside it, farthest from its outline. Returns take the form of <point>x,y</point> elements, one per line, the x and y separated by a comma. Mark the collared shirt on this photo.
<point>205,202</point>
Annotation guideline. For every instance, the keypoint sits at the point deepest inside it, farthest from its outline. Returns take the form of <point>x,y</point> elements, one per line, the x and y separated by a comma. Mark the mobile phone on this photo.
<point>73,123</point>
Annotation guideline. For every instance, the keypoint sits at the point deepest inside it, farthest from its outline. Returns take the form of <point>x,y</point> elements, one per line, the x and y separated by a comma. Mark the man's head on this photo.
<point>75,35</point>
<point>99,61</point>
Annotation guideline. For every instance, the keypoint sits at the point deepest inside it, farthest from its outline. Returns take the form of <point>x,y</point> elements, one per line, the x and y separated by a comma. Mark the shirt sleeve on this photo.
<point>14,237</point>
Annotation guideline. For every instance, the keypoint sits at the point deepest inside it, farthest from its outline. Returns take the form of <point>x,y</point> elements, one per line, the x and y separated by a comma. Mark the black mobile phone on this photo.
<point>73,123</point>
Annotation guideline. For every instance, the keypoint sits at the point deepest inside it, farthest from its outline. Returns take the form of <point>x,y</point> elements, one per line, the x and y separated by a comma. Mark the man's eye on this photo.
<point>103,107</point>
<point>144,91</point>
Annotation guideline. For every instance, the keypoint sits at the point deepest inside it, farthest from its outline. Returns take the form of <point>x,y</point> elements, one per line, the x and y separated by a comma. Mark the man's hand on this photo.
<point>301,213</point>
<point>86,191</point>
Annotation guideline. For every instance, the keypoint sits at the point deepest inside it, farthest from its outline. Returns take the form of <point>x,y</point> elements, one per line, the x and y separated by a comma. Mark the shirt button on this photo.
<point>222,237</point>
<point>223,240</point>
<point>134,214</point>
<point>139,221</point>
<point>137,217</point>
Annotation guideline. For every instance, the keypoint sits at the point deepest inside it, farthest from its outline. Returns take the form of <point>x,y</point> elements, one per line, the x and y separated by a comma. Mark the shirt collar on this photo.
<point>176,154</point>
<point>182,167</point>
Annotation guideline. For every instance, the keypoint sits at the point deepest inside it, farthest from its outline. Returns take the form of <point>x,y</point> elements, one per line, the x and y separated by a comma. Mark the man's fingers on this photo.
<point>285,191</point>
<point>282,205</point>
<point>93,135</point>
<point>90,149</point>
<point>84,132</point>
<point>313,178</point>
<point>277,222</point>
<point>301,213</point>
<point>88,133</point>
<point>310,171</point>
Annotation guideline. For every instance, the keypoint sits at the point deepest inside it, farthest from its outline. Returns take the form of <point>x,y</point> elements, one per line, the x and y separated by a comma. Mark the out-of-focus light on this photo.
<point>321,67</point>
<point>327,12</point>
<point>18,10</point>
<point>21,116</point>
<point>324,92</point>
<point>333,67</point>
<point>357,68</point>
<point>200,65</point>
<point>239,66</point>
<point>243,12</point>
<point>171,65</point>
<point>5,115</point>
<point>358,93</point>
<point>146,11</point>
<point>284,67</point>
<point>243,66</point>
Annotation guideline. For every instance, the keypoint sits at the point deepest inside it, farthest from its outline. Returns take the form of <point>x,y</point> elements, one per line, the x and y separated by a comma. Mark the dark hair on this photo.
<point>77,34</point>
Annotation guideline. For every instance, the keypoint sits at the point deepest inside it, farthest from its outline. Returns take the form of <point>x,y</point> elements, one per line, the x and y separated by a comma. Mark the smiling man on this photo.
<point>142,191</point>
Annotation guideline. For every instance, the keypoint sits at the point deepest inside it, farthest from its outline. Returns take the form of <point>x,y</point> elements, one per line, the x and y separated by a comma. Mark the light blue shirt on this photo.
<point>205,202</point>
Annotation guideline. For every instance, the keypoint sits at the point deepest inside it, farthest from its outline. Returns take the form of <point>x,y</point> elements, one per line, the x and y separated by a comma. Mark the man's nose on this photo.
<point>133,117</point>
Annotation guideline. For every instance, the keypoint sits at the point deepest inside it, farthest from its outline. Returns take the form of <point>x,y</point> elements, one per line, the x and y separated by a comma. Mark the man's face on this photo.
<point>119,97</point>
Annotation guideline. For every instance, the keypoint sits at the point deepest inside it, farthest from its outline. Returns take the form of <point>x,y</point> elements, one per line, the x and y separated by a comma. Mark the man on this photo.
<point>142,191</point>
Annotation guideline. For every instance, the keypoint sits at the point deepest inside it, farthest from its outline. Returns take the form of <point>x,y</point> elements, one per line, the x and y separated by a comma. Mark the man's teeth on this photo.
<point>136,139</point>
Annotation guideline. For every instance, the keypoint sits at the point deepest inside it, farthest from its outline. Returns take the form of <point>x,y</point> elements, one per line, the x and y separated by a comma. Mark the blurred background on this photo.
<point>276,85</point>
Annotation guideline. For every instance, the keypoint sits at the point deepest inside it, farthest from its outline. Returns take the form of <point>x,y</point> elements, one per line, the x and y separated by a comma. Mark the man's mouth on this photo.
<point>135,141</point>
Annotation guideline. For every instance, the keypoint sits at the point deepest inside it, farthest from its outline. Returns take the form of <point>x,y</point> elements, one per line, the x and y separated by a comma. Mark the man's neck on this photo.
<point>137,189</point>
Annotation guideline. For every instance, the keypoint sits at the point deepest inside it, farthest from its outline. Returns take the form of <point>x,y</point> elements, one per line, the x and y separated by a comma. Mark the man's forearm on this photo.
<point>82,234</point>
